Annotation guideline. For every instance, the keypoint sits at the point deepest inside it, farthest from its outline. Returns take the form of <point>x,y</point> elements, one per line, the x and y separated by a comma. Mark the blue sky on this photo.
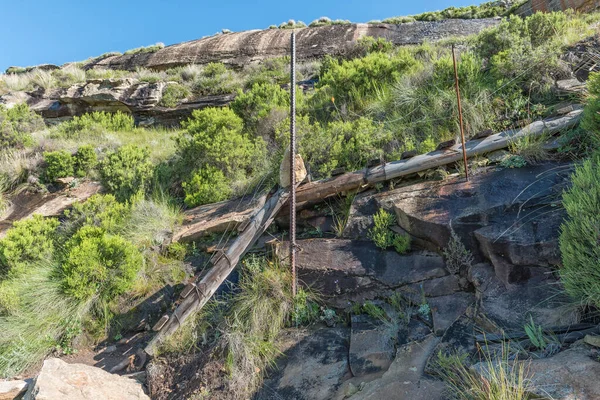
<point>57,31</point>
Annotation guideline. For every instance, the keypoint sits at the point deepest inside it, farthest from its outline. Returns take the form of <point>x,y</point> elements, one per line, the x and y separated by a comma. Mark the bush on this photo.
<point>16,124</point>
<point>102,211</point>
<point>271,71</point>
<point>457,256</point>
<point>59,164</point>
<point>590,121</point>
<point>215,79</point>
<point>126,171</point>
<point>580,234</point>
<point>84,160</point>
<point>173,94</point>
<point>97,121</point>
<point>27,242</point>
<point>99,265</point>
<point>213,136</point>
<point>208,185</point>
<point>258,102</point>
<point>350,80</point>
<point>382,235</point>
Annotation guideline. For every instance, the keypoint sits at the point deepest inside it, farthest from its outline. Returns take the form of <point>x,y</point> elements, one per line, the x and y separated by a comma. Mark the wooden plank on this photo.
<point>221,269</point>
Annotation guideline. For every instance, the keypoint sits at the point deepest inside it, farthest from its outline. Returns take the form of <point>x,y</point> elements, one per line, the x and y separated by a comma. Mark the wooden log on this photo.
<point>221,268</point>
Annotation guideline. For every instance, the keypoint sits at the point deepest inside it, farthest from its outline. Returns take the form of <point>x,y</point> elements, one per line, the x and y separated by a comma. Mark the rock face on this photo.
<point>314,366</point>
<point>533,6</point>
<point>140,99</point>
<point>241,48</point>
<point>510,217</point>
<point>59,380</point>
<point>371,346</point>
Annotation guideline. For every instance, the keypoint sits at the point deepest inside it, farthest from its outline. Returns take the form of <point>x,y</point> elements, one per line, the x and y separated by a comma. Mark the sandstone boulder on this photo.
<point>10,390</point>
<point>59,380</point>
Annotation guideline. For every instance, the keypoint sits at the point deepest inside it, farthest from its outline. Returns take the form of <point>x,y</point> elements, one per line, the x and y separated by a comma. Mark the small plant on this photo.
<point>513,161</point>
<point>84,160</point>
<point>71,329</point>
<point>457,256</point>
<point>401,243</point>
<point>305,310</point>
<point>530,148</point>
<point>381,234</point>
<point>329,317</point>
<point>341,214</point>
<point>535,333</point>
<point>126,171</point>
<point>374,311</point>
<point>424,310</point>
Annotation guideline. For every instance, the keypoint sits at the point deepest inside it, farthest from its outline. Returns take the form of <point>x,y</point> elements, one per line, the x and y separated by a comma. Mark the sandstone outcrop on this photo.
<point>240,48</point>
<point>59,380</point>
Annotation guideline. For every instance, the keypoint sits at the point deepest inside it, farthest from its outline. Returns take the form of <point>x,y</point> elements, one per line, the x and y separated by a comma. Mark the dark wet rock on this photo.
<point>495,200</point>
<point>338,266</point>
<point>312,367</point>
<point>436,287</point>
<point>510,307</point>
<point>514,248</point>
<point>445,310</point>
<point>371,346</point>
<point>405,378</point>
<point>459,338</point>
<point>416,330</point>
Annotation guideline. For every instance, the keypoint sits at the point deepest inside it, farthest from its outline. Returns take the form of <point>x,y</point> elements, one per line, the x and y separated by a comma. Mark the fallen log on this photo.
<point>196,295</point>
<point>216,218</point>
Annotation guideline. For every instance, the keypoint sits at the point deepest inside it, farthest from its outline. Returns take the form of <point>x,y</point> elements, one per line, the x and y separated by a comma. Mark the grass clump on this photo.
<point>127,171</point>
<point>496,379</point>
<point>580,234</point>
<point>145,49</point>
<point>530,148</point>
<point>382,235</point>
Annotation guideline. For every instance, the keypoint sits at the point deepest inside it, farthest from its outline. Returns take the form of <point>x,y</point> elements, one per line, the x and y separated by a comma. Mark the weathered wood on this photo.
<point>221,268</point>
<point>217,217</point>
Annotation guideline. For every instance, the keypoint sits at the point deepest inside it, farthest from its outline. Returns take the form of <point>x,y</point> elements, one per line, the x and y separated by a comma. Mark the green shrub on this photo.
<point>306,310</point>
<point>258,102</point>
<point>59,164</point>
<point>208,185</point>
<point>590,121</point>
<point>271,71</point>
<point>102,211</point>
<point>213,136</point>
<point>173,94</point>
<point>97,121</point>
<point>84,160</point>
<point>580,234</point>
<point>401,243</point>
<point>215,79</point>
<point>99,265</point>
<point>27,242</point>
<point>369,44</point>
<point>16,124</point>
<point>513,161</point>
<point>126,171</point>
<point>350,80</point>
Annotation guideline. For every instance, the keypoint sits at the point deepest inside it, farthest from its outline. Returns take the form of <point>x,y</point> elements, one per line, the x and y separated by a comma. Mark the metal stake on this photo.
<point>460,117</point>
<point>293,163</point>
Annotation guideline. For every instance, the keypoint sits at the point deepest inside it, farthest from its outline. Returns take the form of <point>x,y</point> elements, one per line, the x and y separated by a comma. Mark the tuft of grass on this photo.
<point>531,148</point>
<point>497,379</point>
<point>39,319</point>
<point>341,214</point>
<point>152,220</point>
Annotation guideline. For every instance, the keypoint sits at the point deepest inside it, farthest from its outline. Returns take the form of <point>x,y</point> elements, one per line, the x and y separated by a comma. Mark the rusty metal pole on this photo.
<point>460,117</point>
<point>293,163</point>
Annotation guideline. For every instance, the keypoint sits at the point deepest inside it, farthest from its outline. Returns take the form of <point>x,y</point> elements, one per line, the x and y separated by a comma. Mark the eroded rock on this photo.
<point>371,346</point>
